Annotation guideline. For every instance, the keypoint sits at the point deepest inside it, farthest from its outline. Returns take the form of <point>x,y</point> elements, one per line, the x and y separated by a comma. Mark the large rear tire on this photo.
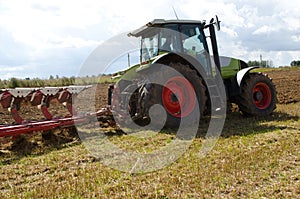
<point>188,89</point>
<point>258,97</point>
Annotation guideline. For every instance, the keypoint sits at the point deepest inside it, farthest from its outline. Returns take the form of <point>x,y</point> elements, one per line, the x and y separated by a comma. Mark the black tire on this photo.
<point>195,83</point>
<point>258,97</point>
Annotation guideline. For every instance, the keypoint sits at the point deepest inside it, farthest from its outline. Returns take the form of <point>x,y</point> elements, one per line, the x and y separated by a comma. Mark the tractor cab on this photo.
<point>176,36</point>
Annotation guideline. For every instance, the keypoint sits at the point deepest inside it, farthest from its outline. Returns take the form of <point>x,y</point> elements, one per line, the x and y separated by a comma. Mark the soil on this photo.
<point>287,84</point>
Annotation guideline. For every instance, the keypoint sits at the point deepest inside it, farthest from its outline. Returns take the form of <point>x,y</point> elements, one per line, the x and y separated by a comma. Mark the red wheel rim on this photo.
<point>261,95</point>
<point>178,96</point>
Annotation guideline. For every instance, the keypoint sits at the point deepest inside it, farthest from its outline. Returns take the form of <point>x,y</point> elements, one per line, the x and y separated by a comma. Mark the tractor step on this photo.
<point>215,94</point>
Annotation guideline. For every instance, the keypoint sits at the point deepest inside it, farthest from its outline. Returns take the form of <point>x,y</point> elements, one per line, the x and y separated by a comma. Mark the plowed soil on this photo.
<point>287,82</point>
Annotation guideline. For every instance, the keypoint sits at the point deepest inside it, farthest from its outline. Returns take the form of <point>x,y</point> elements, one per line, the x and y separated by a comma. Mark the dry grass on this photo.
<point>254,158</point>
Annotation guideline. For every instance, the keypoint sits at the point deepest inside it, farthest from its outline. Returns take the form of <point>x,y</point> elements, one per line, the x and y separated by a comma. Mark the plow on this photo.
<point>11,99</point>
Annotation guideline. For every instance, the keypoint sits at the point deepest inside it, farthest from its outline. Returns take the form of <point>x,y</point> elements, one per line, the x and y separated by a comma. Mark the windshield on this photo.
<point>192,39</point>
<point>184,38</point>
<point>194,44</point>
<point>149,47</point>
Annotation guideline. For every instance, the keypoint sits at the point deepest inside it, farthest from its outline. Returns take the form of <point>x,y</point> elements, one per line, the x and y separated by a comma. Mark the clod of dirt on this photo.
<point>59,137</point>
<point>22,144</point>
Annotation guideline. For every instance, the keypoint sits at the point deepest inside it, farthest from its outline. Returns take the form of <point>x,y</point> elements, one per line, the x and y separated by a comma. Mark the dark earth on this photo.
<point>287,82</point>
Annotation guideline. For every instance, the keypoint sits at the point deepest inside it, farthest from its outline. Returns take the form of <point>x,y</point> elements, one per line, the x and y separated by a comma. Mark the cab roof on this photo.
<point>159,23</point>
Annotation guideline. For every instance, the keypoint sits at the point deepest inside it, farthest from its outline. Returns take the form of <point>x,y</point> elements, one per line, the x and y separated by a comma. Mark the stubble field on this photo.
<point>253,158</point>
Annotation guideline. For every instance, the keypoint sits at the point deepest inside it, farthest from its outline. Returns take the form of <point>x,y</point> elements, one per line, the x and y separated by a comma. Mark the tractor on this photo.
<point>190,48</point>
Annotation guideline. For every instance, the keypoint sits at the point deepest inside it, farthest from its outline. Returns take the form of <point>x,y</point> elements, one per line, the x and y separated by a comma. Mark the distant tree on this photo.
<point>65,81</point>
<point>271,64</point>
<point>295,63</point>
<point>51,77</point>
<point>13,83</point>
<point>253,63</point>
<point>263,63</point>
<point>2,84</point>
<point>72,80</point>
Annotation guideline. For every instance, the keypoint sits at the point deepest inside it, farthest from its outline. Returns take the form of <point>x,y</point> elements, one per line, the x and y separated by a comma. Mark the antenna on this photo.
<point>175,12</point>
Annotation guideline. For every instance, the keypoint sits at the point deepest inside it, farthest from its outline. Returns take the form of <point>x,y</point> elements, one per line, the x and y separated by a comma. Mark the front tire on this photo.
<point>258,97</point>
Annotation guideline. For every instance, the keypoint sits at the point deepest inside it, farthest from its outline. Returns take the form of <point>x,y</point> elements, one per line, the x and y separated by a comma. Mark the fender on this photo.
<point>161,56</point>
<point>176,57</point>
<point>241,74</point>
<point>235,87</point>
<point>154,60</point>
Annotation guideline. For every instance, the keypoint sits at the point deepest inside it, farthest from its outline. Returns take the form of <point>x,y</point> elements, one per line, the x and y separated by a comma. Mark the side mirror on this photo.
<point>217,23</point>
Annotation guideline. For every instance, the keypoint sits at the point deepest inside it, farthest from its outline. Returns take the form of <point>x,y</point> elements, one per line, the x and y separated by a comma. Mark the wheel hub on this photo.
<point>258,96</point>
<point>261,95</point>
<point>178,96</point>
<point>174,98</point>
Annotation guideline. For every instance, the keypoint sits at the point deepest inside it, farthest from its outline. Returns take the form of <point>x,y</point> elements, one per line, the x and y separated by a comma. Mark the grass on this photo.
<point>266,70</point>
<point>253,158</point>
<point>63,81</point>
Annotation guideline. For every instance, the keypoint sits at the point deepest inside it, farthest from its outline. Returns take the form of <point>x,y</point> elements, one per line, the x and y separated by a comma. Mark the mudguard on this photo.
<point>241,74</point>
<point>235,87</point>
<point>156,59</point>
<point>159,60</point>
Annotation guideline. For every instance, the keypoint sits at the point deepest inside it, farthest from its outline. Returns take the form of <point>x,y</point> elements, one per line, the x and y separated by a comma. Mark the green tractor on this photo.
<point>183,45</point>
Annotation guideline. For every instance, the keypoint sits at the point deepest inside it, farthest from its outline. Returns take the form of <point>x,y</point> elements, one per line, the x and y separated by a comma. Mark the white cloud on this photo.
<point>41,34</point>
<point>11,68</point>
<point>296,38</point>
<point>7,72</point>
<point>264,30</point>
<point>229,31</point>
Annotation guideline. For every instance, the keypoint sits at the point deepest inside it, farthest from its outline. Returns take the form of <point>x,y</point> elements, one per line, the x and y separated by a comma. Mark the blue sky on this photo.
<point>52,37</point>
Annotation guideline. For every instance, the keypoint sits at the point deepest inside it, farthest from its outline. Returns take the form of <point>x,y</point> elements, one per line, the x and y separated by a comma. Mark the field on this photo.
<point>253,158</point>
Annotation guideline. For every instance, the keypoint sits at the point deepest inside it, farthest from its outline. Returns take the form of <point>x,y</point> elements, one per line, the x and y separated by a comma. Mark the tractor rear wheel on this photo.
<point>258,97</point>
<point>180,93</point>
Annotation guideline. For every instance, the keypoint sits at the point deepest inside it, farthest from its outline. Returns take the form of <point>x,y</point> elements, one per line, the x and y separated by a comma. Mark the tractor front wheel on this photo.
<point>258,97</point>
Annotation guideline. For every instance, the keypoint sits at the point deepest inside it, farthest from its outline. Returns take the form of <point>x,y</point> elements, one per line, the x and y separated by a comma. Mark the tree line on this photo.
<point>263,63</point>
<point>269,63</point>
<point>295,63</point>
<point>57,81</point>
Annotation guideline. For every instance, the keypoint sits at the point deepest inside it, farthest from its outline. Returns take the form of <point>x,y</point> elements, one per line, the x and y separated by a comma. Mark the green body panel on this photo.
<point>229,68</point>
<point>130,73</point>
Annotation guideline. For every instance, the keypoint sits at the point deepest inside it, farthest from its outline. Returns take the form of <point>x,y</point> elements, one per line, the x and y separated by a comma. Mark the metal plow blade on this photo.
<point>40,97</point>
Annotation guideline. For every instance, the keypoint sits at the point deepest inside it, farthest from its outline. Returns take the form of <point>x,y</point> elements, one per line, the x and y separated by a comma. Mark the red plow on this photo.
<point>40,97</point>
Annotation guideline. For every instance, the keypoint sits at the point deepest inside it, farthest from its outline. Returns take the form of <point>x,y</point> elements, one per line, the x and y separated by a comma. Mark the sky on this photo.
<point>54,37</point>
